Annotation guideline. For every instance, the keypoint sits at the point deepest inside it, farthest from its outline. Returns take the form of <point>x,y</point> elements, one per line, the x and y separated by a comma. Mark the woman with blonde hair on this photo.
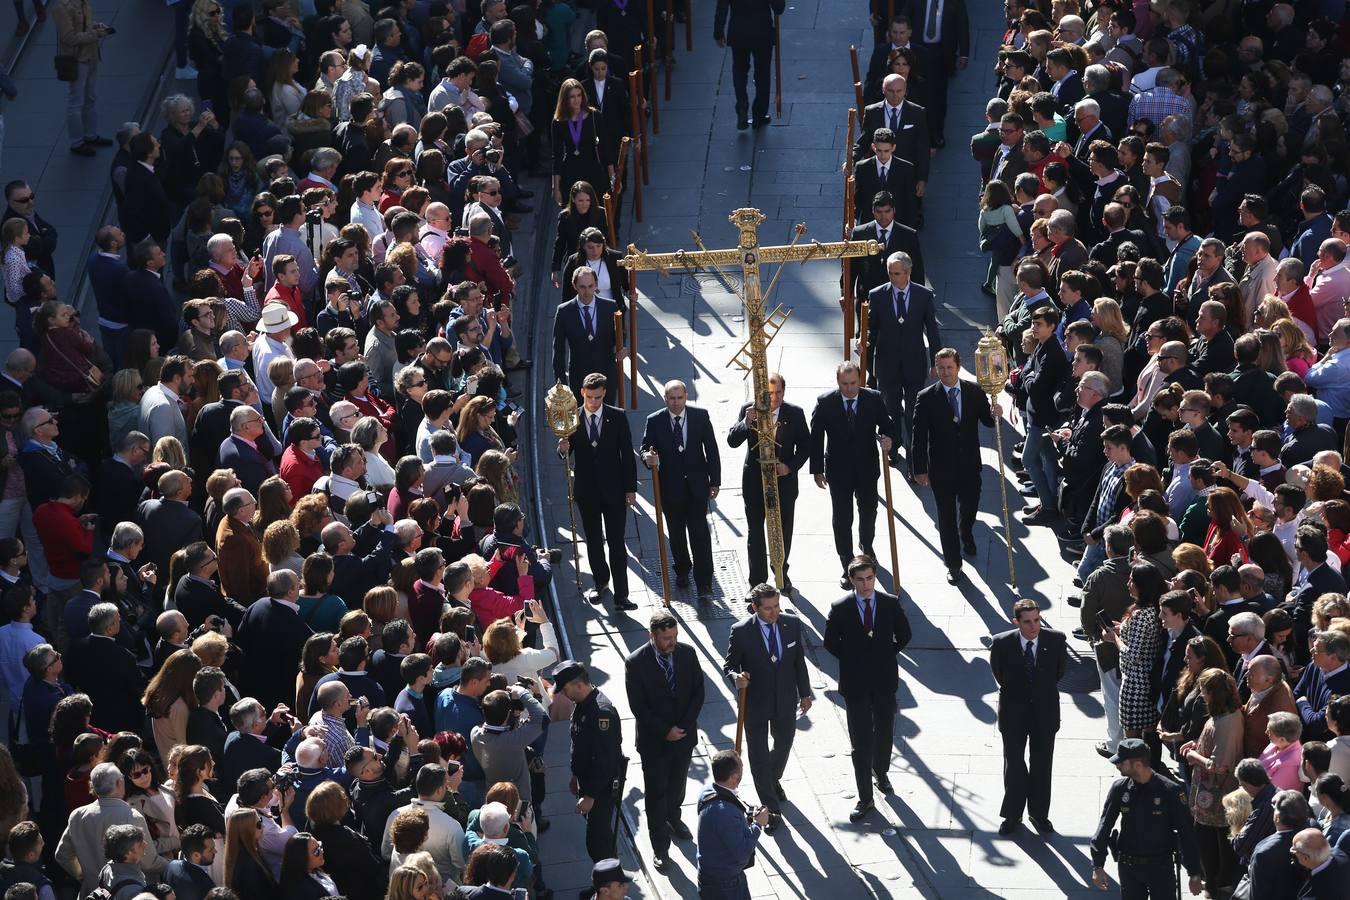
<point>280,542</point>
<point>1189,556</point>
<point>354,624</point>
<point>408,883</point>
<point>310,515</point>
<point>281,371</point>
<point>211,647</point>
<point>245,871</point>
<point>495,468</point>
<point>1237,806</point>
<point>1269,311</point>
<point>169,451</point>
<point>1299,355</point>
<point>1112,336</point>
<point>124,410</point>
<point>475,433</point>
<point>169,699</point>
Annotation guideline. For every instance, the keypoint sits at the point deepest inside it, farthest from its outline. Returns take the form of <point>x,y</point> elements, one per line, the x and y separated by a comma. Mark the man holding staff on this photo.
<point>606,485</point>
<point>766,659</point>
<point>751,36</point>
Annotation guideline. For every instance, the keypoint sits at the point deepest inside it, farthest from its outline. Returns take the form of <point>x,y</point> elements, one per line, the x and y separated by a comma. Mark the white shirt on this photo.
<point>603,287</point>
<point>266,349</point>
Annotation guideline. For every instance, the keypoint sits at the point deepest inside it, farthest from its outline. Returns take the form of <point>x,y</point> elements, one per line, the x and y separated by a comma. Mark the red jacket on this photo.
<point>1301,307</point>
<point>293,299</point>
<point>299,471</point>
<point>371,405</point>
<point>486,267</point>
<point>490,604</point>
<point>65,541</point>
<point>1220,548</point>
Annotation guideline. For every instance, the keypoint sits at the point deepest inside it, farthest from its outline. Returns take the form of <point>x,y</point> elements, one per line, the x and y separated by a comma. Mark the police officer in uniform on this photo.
<point>609,880</point>
<point>597,762</point>
<point>1154,819</point>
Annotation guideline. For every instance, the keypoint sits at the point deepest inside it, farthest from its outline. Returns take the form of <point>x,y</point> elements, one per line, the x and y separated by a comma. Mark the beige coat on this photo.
<point>80,851</point>
<point>75,35</point>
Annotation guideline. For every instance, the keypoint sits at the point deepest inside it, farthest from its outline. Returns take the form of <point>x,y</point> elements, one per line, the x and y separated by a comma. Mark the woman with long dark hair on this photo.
<point>1213,757</point>
<point>1139,635</point>
<point>302,873</point>
<point>577,135</point>
<point>583,211</point>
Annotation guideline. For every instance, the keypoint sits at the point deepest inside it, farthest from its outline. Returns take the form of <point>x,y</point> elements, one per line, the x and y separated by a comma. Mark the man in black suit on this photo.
<point>942,33</point>
<point>751,36</point>
<point>118,486</point>
<point>884,171</point>
<point>794,449</point>
<point>105,670</point>
<point>1106,250</point>
<point>1328,868</point>
<point>189,875</point>
<point>679,444</point>
<point>247,450</point>
<point>271,635</point>
<point>869,272</point>
<point>256,741</point>
<point>853,419</point>
<point>866,628</point>
<point>196,596</point>
<point>146,209</point>
<point>907,121</point>
<point>766,657</point>
<point>1067,87</point>
<point>169,523</point>
<point>1008,161</point>
<point>583,335</point>
<point>946,453</point>
<point>606,485</point>
<point>1028,663</point>
<point>902,319</point>
<point>1311,546</point>
<point>665,692</point>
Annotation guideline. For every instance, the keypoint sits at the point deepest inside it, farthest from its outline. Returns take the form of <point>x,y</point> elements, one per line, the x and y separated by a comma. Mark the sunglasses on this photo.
<point>491,193</point>
<point>214,14</point>
<point>318,849</point>
<point>265,213</point>
<point>29,199</point>
<point>419,384</point>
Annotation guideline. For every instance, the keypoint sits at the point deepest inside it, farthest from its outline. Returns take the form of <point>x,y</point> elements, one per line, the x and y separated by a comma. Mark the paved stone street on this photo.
<point>936,836</point>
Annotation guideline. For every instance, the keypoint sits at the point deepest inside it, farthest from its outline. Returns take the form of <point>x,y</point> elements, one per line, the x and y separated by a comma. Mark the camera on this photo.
<point>493,155</point>
<point>286,779</point>
<point>314,216</point>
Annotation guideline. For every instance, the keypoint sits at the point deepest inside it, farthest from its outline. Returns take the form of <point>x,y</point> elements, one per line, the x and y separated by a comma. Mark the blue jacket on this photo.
<point>108,277</point>
<point>1273,872</point>
<point>461,713</point>
<point>1312,232</point>
<point>726,840</point>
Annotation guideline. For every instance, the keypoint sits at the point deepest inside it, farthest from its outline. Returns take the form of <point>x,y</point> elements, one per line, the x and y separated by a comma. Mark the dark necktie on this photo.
<point>954,399</point>
<point>1029,660</point>
<point>895,120</point>
<point>595,429</point>
<point>881,236</point>
<point>883,174</point>
<point>590,326</point>
<point>668,669</point>
<point>867,614</point>
<point>849,411</point>
<point>930,31</point>
<point>771,634</point>
<point>679,434</point>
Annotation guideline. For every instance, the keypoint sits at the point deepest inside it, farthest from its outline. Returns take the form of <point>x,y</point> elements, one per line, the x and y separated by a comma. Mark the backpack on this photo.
<point>103,893</point>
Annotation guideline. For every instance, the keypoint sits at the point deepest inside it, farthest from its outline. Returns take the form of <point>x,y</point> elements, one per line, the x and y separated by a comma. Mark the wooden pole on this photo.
<point>778,66</point>
<point>660,530</point>
<point>609,218</point>
<point>858,94</point>
<point>632,338</point>
<point>890,525</point>
<point>668,45</point>
<point>689,26</point>
<point>890,14</point>
<point>618,356</point>
<point>740,717</point>
<point>637,162</point>
<point>853,60</point>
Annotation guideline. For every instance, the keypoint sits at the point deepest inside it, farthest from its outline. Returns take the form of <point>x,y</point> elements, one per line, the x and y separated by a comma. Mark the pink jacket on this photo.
<point>1328,290</point>
<point>490,604</point>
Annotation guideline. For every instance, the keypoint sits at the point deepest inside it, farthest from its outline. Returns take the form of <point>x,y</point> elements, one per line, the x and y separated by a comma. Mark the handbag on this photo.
<point>1003,244</point>
<point>93,376</point>
<point>67,67</point>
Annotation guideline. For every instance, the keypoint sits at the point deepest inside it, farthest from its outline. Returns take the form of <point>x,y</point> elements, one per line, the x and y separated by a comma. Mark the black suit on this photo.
<point>947,450</point>
<point>751,38</point>
<point>939,56</point>
<point>1166,674</point>
<point>778,683</point>
<point>168,525</point>
<point>657,709</point>
<point>197,600</point>
<point>690,468</point>
<point>794,449</point>
<point>189,882</point>
<point>119,488</point>
<point>606,470</point>
<point>898,327</point>
<point>869,272</point>
<point>107,672</point>
<point>868,678</point>
<point>899,183</point>
<point>271,636</point>
<point>244,752</point>
<point>614,110</point>
<point>1028,709</point>
<point>851,465</point>
<point>618,276</point>
<point>577,350</point>
<point>911,137</point>
<point>145,211</point>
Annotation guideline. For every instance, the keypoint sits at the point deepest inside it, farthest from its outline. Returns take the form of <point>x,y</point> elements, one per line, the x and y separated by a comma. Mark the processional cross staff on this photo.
<point>752,357</point>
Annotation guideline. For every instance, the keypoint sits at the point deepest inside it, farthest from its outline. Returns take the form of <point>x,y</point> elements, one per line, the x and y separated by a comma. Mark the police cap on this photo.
<point>608,871</point>
<point>569,670</point>
<point>1131,748</point>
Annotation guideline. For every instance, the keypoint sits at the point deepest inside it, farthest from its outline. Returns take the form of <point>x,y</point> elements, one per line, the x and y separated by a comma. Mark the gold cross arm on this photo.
<point>640,260</point>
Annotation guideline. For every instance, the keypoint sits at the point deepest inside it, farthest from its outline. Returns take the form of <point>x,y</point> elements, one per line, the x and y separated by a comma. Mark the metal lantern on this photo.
<point>991,371</point>
<point>563,417</point>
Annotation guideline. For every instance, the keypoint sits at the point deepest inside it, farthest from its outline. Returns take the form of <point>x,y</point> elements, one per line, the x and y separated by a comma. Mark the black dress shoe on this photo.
<point>682,579</point>
<point>775,822</point>
<point>860,810</point>
<point>1074,600</point>
<point>625,604</point>
<point>742,124</point>
<point>524,194</point>
<point>680,830</point>
<point>659,862</point>
<point>705,595</point>
<point>98,141</point>
<point>595,595</point>
<point>762,121</point>
<point>953,576</point>
<point>844,582</point>
<point>1104,750</point>
<point>1009,826</point>
<point>1043,826</point>
<point>884,785</point>
<point>84,149</point>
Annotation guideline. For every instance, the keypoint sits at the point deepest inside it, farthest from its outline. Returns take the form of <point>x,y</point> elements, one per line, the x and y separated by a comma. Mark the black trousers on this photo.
<point>900,397</point>
<point>604,524</point>
<point>843,492</point>
<point>1218,862</point>
<point>871,722</point>
<point>935,73</point>
<point>600,836</point>
<point>1023,788</point>
<point>1154,880</point>
<point>957,503</point>
<point>767,765</point>
<point>665,773</point>
<point>741,58</point>
<point>686,518</point>
<point>756,537</point>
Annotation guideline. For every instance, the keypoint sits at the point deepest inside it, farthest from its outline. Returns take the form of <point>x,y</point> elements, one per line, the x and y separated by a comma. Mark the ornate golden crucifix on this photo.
<point>752,356</point>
